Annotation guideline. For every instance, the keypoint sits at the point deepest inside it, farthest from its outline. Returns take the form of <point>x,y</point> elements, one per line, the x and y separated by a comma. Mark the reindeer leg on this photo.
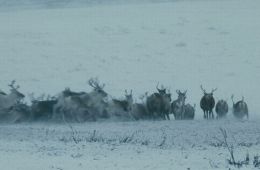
<point>183,113</point>
<point>168,117</point>
<point>163,116</point>
<point>154,115</point>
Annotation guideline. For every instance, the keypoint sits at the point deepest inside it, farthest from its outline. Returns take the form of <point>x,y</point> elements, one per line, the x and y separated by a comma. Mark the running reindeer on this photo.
<point>121,108</point>
<point>126,104</point>
<point>82,106</point>
<point>14,97</point>
<point>12,108</point>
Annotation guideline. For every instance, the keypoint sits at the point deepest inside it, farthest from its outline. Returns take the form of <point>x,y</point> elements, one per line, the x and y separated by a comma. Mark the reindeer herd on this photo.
<point>98,105</point>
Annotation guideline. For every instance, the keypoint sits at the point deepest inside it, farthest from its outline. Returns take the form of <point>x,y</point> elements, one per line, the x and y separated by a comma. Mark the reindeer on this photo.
<point>121,108</point>
<point>177,106</point>
<point>9,100</point>
<point>11,106</point>
<point>139,110</point>
<point>98,97</point>
<point>159,104</point>
<point>240,108</point>
<point>207,103</point>
<point>221,109</point>
<point>126,104</point>
<point>81,106</point>
<point>17,113</point>
<point>43,110</point>
<point>70,107</point>
<point>67,93</point>
<point>189,112</point>
<point>64,106</point>
<point>97,88</point>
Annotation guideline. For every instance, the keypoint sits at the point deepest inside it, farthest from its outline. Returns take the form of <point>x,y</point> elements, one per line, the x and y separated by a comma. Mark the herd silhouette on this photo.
<point>98,105</point>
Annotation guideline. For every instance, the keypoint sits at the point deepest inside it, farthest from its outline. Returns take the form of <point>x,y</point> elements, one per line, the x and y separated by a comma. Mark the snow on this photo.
<point>127,145</point>
<point>131,45</point>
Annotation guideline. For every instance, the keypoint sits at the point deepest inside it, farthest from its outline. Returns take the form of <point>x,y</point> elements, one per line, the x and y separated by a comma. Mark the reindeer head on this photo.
<point>14,90</point>
<point>207,94</point>
<point>66,92</point>
<point>161,91</point>
<point>129,96</point>
<point>181,95</point>
<point>129,99</point>
<point>94,82</point>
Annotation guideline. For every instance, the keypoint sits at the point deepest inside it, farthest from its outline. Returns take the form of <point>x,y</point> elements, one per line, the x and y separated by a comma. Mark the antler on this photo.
<point>232,98</point>
<point>204,91</point>
<point>94,82</point>
<point>178,92</point>
<point>168,90</point>
<point>162,87</point>
<point>12,85</point>
<point>157,86</point>
<point>127,94</point>
<point>67,89</point>
<point>213,90</point>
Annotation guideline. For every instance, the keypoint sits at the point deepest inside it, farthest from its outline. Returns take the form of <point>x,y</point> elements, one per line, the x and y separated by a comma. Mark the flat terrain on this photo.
<point>127,145</point>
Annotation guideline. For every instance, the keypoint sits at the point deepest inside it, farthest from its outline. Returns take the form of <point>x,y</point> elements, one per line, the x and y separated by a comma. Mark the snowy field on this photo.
<point>127,145</point>
<point>131,45</point>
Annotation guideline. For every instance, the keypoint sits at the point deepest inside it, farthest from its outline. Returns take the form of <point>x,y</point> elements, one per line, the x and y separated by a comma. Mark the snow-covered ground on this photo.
<point>127,145</point>
<point>180,44</point>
